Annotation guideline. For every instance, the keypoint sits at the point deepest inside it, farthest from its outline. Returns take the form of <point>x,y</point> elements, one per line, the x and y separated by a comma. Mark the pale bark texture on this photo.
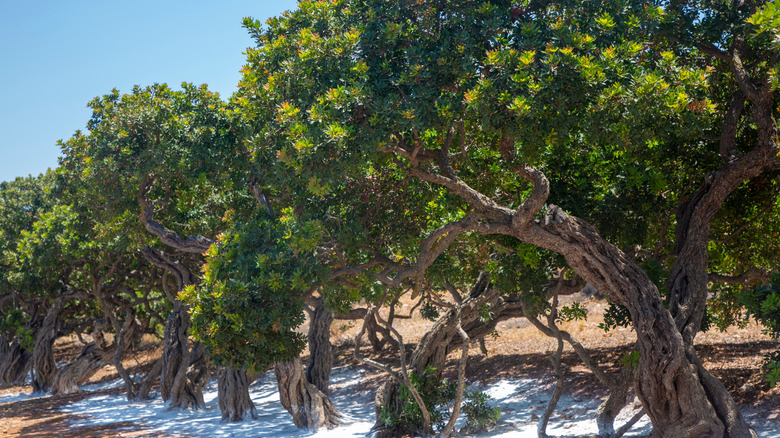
<point>305,394</point>
<point>310,408</point>
<point>233,394</point>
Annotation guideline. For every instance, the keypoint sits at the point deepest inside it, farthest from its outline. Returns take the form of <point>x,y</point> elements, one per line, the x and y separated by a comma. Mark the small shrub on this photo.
<point>480,416</point>
<point>438,395</point>
<point>772,367</point>
<point>630,360</point>
<point>407,417</point>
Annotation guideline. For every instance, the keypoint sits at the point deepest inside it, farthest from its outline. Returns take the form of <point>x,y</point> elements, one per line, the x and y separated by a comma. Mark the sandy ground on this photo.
<point>519,354</point>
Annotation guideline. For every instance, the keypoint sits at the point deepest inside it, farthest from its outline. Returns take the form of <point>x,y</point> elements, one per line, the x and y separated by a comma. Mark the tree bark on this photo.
<point>305,394</point>
<point>444,337</point>
<point>146,384</point>
<point>618,385</point>
<point>320,348</point>
<point>687,282</point>
<point>309,407</point>
<point>14,362</point>
<point>124,336</point>
<point>184,372</point>
<point>666,381</point>
<point>43,365</point>
<point>615,402</point>
<point>70,377</point>
<point>233,394</point>
<point>374,331</point>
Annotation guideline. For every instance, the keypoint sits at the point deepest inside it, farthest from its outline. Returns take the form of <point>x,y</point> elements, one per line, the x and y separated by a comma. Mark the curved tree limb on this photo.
<point>192,244</point>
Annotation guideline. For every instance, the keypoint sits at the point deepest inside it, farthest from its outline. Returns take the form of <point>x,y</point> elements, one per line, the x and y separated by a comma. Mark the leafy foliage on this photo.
<point>436,394</point>
<point>249,303</point>
<point>14,324</point>
<point>763,303</point>
<point>480,416</point>
<point>574,312</point>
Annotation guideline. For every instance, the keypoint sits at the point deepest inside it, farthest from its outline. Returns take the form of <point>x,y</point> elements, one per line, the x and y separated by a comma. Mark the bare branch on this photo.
<point>746,278</point>
<point>710,49</point>
<point>741,74</point>
<point>728,137</point>
<point>162,260</point>
<point>262,197</point>
<point>192,244</point>
<point>477,200</point>
<point>535,202</point>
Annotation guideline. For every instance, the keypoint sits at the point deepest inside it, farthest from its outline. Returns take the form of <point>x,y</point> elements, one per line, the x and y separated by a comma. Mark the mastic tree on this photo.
<point>250,301</point>
<point>168,168</point>
<point>76,269</point>
<point>576,127</point>
<point>22,201</point>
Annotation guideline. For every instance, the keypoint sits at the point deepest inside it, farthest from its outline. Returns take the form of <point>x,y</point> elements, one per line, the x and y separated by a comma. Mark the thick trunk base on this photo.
<point>233,394</point>
<point>310,408</point>
<point>70,377</point>
<point>14,363</point>
<point>184,373</point>
<point>611,407</point>
<point>43,363</point>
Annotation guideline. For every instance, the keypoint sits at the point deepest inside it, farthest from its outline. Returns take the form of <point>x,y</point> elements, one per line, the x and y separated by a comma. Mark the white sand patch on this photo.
<point>522,402</point>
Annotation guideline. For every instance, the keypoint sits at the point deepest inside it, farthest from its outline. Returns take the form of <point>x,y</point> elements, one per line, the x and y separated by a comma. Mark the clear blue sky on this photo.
<point>56,55</point>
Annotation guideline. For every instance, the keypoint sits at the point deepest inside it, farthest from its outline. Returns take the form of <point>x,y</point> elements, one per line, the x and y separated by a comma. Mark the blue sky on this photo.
<point>55,56</point>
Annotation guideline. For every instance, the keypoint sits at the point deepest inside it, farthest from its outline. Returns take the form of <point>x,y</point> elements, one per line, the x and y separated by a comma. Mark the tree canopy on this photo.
<point>375,148</point>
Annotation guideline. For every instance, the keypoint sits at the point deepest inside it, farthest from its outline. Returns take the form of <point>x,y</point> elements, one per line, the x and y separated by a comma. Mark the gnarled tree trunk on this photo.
<point>305,394</point>
<point>70,377</point>
<point>320,348</point>
<point>14,362</point>
<point>666,381</point>
<point>146,385</point>
<point>310,408</point>
<point>687,282</point>
<point>444,337</point>
<point>184,372</point>
<point>233,394</point>
<point>124,335</point>
<point>43,365</point>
